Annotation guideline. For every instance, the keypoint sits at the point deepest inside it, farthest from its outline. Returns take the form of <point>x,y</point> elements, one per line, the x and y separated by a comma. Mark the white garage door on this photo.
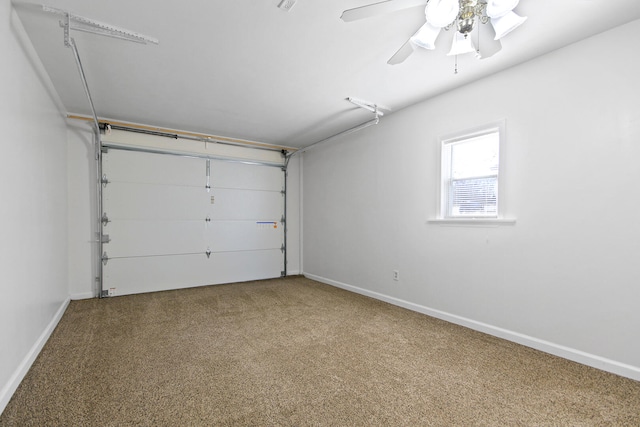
<point>167,230</point>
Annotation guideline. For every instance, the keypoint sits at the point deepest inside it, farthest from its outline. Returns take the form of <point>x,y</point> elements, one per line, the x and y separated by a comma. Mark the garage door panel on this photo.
<point>244,235</point>
<point>162,221</point>
<point>247,205</point>
<point>244,266</point>
<point>143,238</point>
<point>246,176</point>
<point>131,166</point>
<point>132,201</point>
<point>138,275</point>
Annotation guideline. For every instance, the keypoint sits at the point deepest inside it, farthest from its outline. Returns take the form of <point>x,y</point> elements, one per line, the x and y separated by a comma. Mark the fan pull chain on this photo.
<point>478,54</point>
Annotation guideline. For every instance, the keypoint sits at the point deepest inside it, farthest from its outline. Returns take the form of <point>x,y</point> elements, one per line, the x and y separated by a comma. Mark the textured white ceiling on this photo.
<point>246,69</point>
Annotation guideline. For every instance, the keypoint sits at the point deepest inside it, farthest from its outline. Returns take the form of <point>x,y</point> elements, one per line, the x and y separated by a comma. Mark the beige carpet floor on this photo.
<point>294,352</point>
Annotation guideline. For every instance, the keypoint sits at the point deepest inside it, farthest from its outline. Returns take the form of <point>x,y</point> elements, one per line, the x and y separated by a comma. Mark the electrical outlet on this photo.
<point>396,275</point>
<point>112,292</point>
<point>287,4</point>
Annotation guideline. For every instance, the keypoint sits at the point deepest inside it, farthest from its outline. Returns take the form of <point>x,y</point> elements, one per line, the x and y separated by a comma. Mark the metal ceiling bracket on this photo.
<point>286,5</point>
<point>70,43</point>
<point>66,26</point>
<point>87,25</point>
<point>374,108</point>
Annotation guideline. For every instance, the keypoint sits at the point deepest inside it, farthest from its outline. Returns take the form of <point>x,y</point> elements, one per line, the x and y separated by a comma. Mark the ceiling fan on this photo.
<point>465,16</point>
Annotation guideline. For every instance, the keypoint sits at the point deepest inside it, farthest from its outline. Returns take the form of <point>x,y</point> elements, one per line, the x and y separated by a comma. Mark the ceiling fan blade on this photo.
<point>379,9</point>
<point>486,44</point>
<point>402,54</point>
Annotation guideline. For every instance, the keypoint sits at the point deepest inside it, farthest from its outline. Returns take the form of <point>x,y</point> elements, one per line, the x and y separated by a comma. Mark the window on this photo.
<point>470,174</point>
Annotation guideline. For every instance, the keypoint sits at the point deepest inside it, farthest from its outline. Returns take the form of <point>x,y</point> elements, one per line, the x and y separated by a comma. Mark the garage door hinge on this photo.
<point>105,219</point>
<point>105,238</point>
<point>283,219</point>
<point>104,180</point>
<point>105,150</point>
<point>105,293</point>
<point>105,258</point>
<point>208,253</point>
<point>283,248</point>
<point>207,219</point>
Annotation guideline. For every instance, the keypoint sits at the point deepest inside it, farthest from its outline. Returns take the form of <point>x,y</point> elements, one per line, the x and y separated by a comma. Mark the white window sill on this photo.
<point>487,222</point>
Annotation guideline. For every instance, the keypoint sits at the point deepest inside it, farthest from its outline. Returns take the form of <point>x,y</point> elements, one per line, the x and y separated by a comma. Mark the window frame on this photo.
<point>444,142</point>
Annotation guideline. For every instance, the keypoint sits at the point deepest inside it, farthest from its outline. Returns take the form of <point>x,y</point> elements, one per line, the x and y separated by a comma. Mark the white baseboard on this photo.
<point>83,295</point>
<point>8,389</point>
<point>574,355</point>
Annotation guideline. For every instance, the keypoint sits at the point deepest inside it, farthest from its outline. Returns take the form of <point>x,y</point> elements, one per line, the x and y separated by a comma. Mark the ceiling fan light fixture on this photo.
<point>426,37</point>
<point>506,23</point>
<point>441,13</point>
<point>464,17</point>
<point>461,44</point>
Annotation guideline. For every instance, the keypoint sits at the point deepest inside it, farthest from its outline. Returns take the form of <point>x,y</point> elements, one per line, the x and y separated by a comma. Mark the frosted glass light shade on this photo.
<point>441,13</point>
<point>426,37</point>
<point>461,44</point>
<point>498,8</point>
<point>506,23</point>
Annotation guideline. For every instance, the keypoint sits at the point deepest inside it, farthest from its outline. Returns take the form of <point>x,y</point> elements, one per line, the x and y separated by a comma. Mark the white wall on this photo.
<point>565,277</point>
<point>33,209</point>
